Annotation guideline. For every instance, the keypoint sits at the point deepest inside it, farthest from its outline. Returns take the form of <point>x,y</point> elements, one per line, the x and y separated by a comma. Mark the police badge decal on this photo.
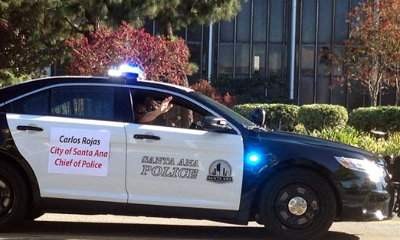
<point>220,171</point>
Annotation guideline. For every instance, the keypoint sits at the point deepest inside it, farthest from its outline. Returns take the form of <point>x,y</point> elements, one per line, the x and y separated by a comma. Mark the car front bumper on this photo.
<point>363,199</point>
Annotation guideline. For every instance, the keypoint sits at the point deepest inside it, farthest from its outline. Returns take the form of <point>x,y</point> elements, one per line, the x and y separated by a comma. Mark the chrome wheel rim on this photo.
<point>297,206</point>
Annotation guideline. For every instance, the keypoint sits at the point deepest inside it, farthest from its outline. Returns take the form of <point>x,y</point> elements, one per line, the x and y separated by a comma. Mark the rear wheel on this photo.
<point>13,196</point>
<point>298,204</point>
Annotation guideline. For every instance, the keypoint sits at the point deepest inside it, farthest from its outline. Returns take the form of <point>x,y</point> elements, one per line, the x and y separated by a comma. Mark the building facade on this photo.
<point>278,51</point>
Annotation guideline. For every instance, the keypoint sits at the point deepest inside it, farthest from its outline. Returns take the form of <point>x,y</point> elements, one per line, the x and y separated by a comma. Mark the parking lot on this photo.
<point>99,227</point>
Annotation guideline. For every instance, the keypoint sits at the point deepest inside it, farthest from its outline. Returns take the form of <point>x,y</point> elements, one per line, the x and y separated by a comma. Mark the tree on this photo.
<point>162,59</point>
<point>31,35</point>
<point>372,52</point>
<point>86,16</point>
<point>9,78</point>
<point>204,87</point>
<point>176,14</point>
<point>33,32</point>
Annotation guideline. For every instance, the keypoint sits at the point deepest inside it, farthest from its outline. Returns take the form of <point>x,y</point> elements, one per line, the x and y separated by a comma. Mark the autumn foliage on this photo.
<point>162,59</point>
<point>372,53</point>
<point>204,87</point>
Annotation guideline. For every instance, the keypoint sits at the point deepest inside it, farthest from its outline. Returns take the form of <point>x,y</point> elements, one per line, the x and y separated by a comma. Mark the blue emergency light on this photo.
<point>253,158</point>
<point>128,71</point>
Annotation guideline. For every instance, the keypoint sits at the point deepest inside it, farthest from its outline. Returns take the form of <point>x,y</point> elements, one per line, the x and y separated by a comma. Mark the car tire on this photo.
<point>13,196</point>
<point>297,204</point>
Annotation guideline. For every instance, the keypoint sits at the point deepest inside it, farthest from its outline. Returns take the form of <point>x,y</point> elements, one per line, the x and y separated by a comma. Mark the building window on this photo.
<point>259,59</point>
<point>276,18</point>
<point>225,60</point>
<point>308,21</point>
<point>338,89</point>
<point>323,89</point>
<point>194,33</point>
<point>307,60</point>
<point>341,27</point>
<point>306,90</point>
<point>275,59</point>
<point>324,61</point>
<point>242,60</point>
<point>243,23</point>
<point>226,31</point>
<point>260,21</point>
<point>325,21</point>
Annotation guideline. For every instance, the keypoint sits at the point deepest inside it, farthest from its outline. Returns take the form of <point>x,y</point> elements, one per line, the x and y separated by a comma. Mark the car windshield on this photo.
<point>227,111</point>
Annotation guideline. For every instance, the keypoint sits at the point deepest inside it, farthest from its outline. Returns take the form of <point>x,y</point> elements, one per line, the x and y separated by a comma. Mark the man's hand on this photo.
<point>165,105</point>
<point>158,109</point>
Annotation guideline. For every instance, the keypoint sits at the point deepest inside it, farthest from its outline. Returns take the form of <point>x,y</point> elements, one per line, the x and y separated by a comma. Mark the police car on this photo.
<point>75,145</point>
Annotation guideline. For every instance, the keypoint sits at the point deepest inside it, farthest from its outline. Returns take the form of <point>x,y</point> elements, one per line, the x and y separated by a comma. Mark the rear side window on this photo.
<point>35,104</point>
<point>87,102</point>
<point>91,102</point>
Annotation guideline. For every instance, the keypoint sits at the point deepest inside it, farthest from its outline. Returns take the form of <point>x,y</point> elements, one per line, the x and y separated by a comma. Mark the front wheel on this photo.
<point>297,204</point>
<point>13,196</point>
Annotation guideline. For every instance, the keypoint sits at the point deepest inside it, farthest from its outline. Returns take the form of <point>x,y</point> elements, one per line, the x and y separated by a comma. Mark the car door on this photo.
<point>74,141</point>
<point>171,162</point>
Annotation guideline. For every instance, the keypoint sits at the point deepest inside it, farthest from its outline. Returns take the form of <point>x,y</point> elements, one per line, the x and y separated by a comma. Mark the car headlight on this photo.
<point>374,171</point>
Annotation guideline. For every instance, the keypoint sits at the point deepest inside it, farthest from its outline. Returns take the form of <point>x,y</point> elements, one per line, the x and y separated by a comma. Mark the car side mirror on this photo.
<point>258,117</point>
<point>215,124</point>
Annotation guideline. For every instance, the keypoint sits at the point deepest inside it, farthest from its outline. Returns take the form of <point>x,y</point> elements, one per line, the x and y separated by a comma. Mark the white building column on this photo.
<point>210,48</point>
<point>293,50</point>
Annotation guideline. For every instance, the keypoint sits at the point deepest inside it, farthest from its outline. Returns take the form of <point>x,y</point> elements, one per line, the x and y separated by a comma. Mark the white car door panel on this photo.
<point>175,169</point>
<point>35,146</point>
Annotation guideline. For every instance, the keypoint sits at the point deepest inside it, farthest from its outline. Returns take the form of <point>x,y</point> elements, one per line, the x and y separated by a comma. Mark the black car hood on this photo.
<point>298,139</point>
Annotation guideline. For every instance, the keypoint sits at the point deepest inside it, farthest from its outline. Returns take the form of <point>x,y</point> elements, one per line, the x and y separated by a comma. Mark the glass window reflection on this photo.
<point>325,21</point>
<point>275,58</point>
<point>307,60</point>
<point>276,28</point>
<point>341,29</point>
<point>227,31</point>
<point>242,60</point>
<point>260,21</point>
<point>243,23</point>
<point>308,21</point>
<point>225,61</point>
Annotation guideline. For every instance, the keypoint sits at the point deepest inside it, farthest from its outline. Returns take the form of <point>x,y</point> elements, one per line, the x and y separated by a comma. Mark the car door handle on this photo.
<point>29,128</point>
<point>145,136</point>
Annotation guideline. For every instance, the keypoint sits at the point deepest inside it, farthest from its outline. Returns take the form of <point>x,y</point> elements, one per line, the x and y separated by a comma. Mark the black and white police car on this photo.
<point>74,145</point>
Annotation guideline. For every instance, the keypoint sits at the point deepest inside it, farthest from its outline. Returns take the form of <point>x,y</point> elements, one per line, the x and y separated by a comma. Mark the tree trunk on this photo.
<point>397,91</point>
<point>168,31</point>
<point>374,87</point>
<point>373,94</point>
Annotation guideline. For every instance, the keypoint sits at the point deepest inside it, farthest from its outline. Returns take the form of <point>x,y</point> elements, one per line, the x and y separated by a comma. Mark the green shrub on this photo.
<point>363,140</point>
<point>392,146</point>
<point>320,116</point>
<point>379,118</point>
<point>351,136</point>
<point>8,77</point>
<point>279,116</point>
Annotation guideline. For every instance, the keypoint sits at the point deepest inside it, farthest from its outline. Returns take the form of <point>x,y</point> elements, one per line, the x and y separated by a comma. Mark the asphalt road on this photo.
<point>101,227</point>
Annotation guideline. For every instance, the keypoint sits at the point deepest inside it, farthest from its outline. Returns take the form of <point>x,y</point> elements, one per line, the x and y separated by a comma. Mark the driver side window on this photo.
<point>161,109</point>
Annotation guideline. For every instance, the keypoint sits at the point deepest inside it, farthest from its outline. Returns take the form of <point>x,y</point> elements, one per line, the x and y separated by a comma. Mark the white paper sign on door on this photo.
<point>79,151</point>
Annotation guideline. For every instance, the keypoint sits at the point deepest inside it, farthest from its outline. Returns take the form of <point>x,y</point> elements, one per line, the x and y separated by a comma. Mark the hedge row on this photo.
<point>376,118</point>
<point>279,116</point>
<point>322,116</point>
<point>286,116</point>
